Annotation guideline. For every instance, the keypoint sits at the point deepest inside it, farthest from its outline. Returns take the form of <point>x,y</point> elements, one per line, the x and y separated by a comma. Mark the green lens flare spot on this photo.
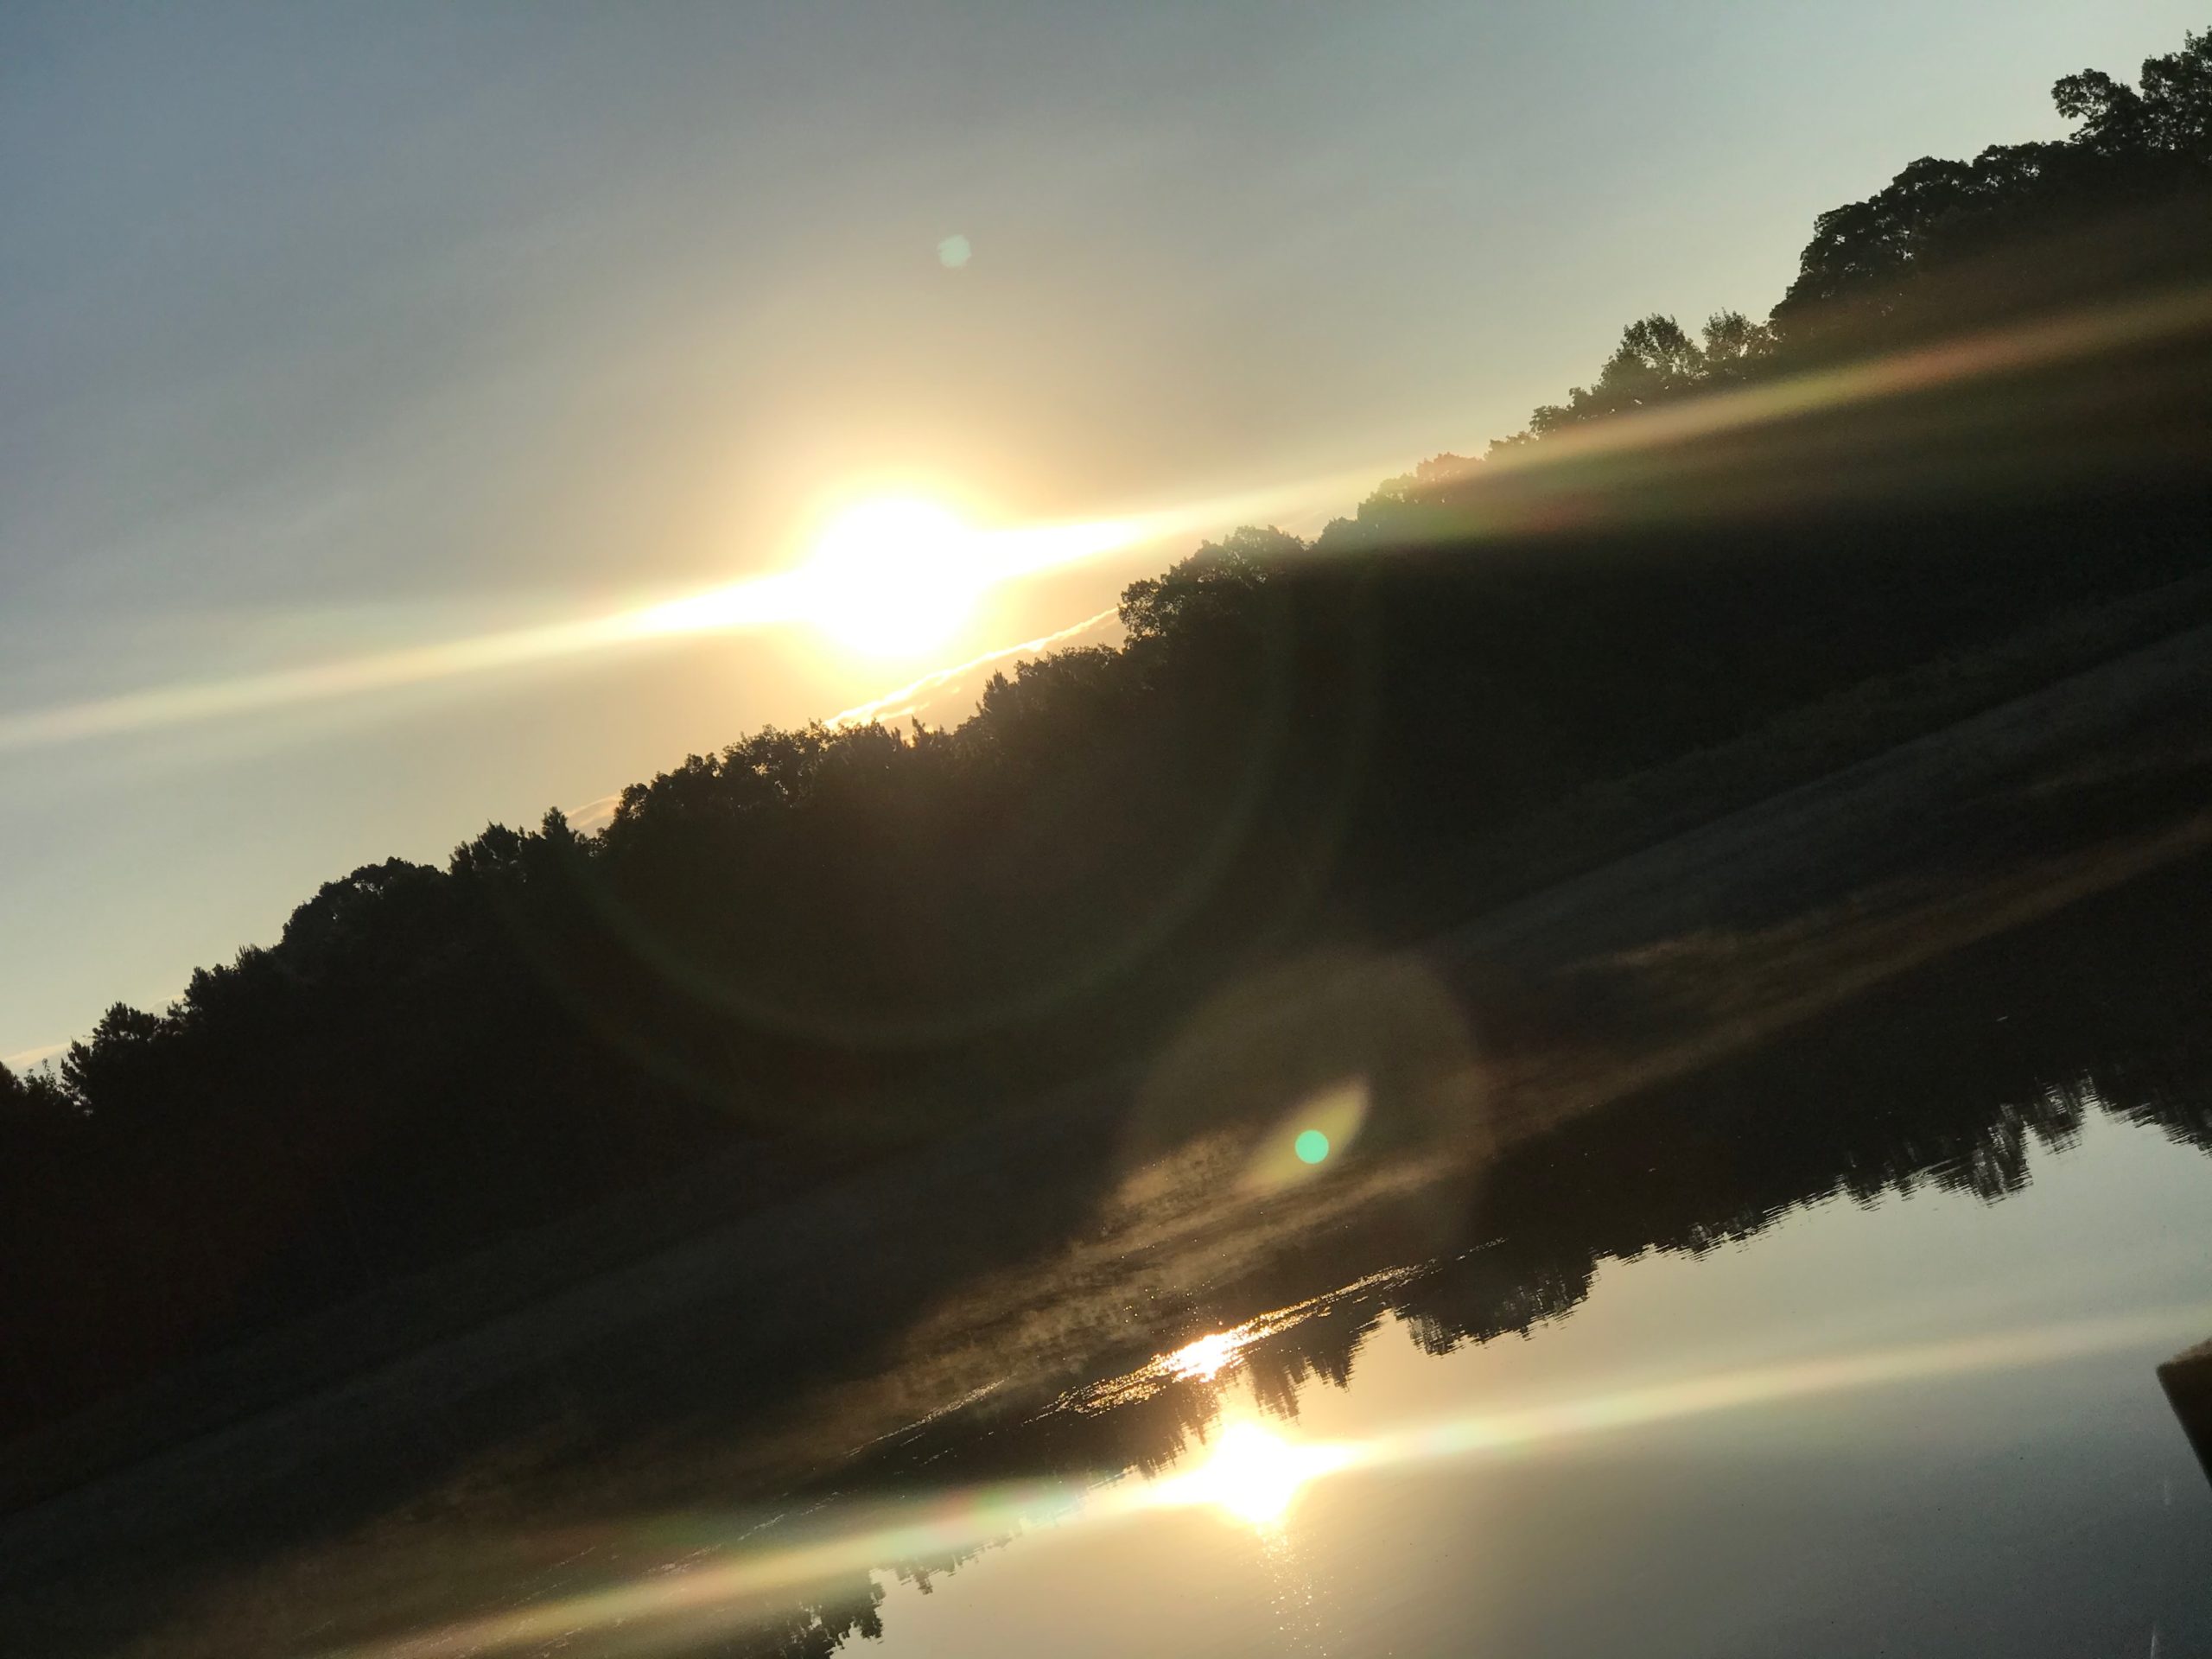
<point>1312,1146</point>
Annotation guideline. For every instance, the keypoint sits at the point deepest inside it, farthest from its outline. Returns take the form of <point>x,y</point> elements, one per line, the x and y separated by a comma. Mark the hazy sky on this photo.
<point>331,329</point>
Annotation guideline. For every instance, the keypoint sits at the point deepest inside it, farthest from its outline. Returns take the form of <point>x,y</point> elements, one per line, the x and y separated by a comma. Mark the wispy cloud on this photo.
<point>918,695</point>
<point>593,815</point>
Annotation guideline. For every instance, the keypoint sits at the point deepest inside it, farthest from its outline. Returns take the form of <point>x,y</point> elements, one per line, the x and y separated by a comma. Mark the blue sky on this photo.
<point>332,329</point>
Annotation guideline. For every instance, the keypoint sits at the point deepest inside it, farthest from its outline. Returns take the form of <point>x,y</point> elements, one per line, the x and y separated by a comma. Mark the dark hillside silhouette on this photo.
<point>827,944</point>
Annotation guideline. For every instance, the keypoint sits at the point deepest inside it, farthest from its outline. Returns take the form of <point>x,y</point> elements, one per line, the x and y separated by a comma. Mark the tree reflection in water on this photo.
<point>1946,1079</point>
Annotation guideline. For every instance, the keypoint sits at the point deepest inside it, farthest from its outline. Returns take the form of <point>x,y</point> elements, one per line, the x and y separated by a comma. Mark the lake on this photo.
<point>1926,1425</point>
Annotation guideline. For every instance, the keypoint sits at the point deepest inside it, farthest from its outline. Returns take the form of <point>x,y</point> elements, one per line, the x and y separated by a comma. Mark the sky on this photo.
<point>329,332</point>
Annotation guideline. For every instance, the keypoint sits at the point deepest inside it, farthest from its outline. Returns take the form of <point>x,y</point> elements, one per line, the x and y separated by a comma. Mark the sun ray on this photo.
<point>815,595</point>
<point>860,598</point>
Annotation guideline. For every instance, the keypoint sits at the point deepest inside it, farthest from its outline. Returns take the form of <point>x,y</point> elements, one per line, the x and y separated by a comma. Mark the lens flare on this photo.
<point>1304,1139</point>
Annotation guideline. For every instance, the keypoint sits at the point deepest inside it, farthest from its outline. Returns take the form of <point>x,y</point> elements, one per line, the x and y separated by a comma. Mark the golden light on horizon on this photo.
<point>890,578</point>
<point>880,605</point>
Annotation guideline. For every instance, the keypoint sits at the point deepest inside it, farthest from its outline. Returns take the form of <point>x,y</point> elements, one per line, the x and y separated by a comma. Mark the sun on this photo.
<point>894,577</point>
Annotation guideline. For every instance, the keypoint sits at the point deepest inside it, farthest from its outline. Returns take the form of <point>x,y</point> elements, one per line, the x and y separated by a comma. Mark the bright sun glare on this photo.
<point>1252,1474</point>
<point>895,577</point>
<point>1205,1357</point>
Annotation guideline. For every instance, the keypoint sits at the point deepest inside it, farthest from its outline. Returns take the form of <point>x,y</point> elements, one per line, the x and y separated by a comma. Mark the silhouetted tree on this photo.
<point>1657,363</point>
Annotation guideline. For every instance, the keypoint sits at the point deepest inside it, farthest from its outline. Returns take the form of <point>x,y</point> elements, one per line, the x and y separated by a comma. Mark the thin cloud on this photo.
<point>918,695</point>
<point>593,816</point>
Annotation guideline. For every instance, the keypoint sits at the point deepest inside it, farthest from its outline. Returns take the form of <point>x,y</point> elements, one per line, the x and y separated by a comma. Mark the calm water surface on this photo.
<point>1843,1343</point>
<point>1927,1425</point>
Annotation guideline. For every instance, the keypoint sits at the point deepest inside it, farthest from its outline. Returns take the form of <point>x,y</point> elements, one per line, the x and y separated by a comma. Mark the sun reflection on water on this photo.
<point>1252,1474</point>
<point>1249,1474</point>
<point>1204,1359</point>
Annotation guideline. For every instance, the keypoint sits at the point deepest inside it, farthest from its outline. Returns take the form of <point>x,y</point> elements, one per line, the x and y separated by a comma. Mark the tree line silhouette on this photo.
<point>821,945</point>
